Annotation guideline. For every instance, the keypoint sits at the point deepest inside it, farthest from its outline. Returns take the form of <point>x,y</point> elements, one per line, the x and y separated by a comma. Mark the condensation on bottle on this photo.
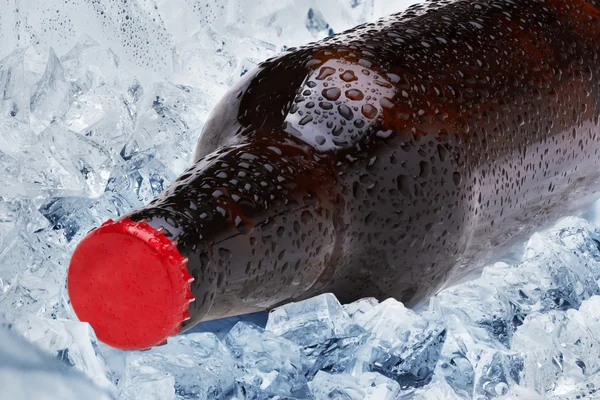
<point>389,160</point>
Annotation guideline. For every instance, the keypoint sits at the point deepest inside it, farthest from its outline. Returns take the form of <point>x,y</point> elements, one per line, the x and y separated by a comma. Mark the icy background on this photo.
<point>101,103</point>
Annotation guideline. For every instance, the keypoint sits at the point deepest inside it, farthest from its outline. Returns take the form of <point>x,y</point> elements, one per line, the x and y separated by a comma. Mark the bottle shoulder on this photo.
<point>419,72</point>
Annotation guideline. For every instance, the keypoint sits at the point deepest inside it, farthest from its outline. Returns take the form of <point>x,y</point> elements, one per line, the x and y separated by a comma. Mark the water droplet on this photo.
<point>345,112</point>
<point>404,185</point>
<point>386,103</point>
<point>355,94</point>
<point>348,76</point>
<point>457,178</point>
<point>325,72</point>
<point>369,111</point>
<point>306,120</point>
<point>332,94</point>
<point>326,106</point>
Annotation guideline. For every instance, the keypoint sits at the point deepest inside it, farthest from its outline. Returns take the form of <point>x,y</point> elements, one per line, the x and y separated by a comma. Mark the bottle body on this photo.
<point>391,159</point>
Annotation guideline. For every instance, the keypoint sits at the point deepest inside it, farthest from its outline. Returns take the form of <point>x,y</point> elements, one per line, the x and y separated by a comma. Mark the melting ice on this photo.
<point>99,113</point>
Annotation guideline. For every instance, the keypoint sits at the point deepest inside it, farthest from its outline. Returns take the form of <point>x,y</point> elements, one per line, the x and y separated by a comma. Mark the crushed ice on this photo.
<point>94,125</point>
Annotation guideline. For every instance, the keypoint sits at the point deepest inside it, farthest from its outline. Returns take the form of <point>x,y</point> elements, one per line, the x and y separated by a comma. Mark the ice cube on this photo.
<point>169,124</point>
<point>586,390</point>
<point>590,312</point>
<point>438,390</point>
<point>316,23</point>
<point>268,363</point>
<point>479,303</point>
<point>65,213</point>
<point>139,179</point>
<point>358,308</point>
<point>9,214</point>
<point>202,368</point>
<point>402,345</point>
<point>454,370</point>
<point>51,97</point>
<point>582,240</point>
<point>321,327</point>
<point>79,161</point>
<point>31,267</point>
<point>496,372</point>
<point>15,96</point>
<point>559,346</point>
<point>366,386</point>
<point>28,373</point>
<point>221,327</point>
<point>518,392</point>
<point>146,382</point>
<point>71,342</point>
<point>312,321</point>
<point>563,281</point>
<point>550,276</point>
<point>105,97</point>
<point>207,58</point>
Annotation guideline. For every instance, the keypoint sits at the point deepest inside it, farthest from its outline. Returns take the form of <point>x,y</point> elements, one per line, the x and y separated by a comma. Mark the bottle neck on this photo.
<point>258,223</point>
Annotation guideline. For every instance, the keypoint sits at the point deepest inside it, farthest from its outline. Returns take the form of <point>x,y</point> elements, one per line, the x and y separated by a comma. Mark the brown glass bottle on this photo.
<point>385,161</point>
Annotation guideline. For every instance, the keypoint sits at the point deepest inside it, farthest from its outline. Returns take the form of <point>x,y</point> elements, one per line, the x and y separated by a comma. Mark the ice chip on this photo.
<point>559,346</point>
<point>481,304</point>
<point>148,383</point>
<point>85,112</point>
<point>268,363</point>
<point>551,276</point>
<point>358,308</point>
<point>9,213</point>
<point>366,386</point>
<point>209,58</point>
<point>582,390</point>
<point>563,280</point>
<point>168,126</point>
<point>139,179</point>
<point>582,240</point>
<point>28,373</point>
<point>311,322</point>
<point>79,160</point>
<point>590,312</point>
<point>454,368</point>
<point>15,97</point>
<point>496,372</point>
<point>518,392</point>
<point>438,390</point>
<point>71,342</point>
<point>221,327</point>
<point>402,345</point>
<point>201,367</point>
<point>51,96</point>
<point>64,213</point>
<point>31,266</point>
<point>315,23</point>
<point>321,327</point>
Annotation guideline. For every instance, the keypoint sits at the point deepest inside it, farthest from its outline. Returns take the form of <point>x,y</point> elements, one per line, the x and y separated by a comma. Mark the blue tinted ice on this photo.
<point>267,364</point>
<point>401,344</point>
<point>364,386</point>
<point>26,372</point>
<point>361,306</point>
<point>312,322</point>
<point>194,366</point>
<point>99,113</point>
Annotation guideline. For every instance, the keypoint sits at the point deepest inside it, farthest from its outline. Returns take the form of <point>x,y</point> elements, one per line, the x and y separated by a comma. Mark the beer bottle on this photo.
<point>385,161</point>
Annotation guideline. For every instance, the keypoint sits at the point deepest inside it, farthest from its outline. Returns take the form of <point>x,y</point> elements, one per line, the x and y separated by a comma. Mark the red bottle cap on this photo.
<point>130,283</point>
